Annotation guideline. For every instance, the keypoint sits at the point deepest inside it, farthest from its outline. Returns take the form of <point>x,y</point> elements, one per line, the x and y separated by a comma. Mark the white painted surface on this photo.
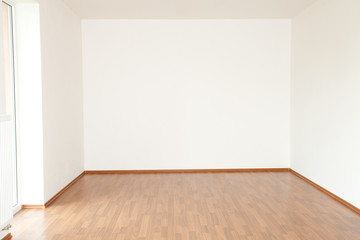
<point>6,183</point>
<point>326,96</point>
<point>3,234</point>
<point>187,9</point>
<point>182,94</point>
<point>2,76</point>
<point>29,103</point>
<point>62,95</point>
<point>6,149</point>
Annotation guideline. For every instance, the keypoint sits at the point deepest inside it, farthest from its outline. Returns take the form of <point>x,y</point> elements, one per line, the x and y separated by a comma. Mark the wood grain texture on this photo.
<point>211,206</point>
<point>47,204</point>
<point>330,194</point>
<point>7,237</point>
<point>187,171</point>
<point>37,206</point>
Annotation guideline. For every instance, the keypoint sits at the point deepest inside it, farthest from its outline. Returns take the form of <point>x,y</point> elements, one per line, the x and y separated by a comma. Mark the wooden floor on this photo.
<point>190,206</point>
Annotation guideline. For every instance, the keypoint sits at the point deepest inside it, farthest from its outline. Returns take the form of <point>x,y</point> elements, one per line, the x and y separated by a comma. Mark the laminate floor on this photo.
<point>214,206</point>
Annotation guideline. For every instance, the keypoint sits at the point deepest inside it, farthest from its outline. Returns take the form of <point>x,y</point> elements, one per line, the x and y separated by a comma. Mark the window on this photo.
<point>9,108</point>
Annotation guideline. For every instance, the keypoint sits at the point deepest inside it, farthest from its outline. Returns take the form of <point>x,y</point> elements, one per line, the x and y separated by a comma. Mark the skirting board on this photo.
<point>340,200</point>
<point>48,203</point>
<point>7,237</point>
<point>330,194</point>
<point>186,171</point>
<point>90,172</point>
<point>32,206</point>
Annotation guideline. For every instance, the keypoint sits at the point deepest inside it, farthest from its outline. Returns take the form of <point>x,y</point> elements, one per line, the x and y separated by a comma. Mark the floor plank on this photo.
<point>206,206</point>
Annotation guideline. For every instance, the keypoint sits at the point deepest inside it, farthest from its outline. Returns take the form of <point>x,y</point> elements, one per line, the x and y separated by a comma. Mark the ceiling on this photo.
<point>187,9</point>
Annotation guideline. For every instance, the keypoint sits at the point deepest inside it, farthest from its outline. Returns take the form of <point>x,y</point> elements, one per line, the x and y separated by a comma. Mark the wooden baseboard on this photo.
<point>7,237</point>
<point>48,203</point>
<point>32,206</point>
<point>90,172</point>
<point>330,194</point>
<point>186,171</point>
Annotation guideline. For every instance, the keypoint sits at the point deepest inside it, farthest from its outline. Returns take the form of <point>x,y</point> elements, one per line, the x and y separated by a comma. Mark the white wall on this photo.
<point>62,95</point>
<point>29,103</point>
<point>326,96</point>
<point>186,94</point>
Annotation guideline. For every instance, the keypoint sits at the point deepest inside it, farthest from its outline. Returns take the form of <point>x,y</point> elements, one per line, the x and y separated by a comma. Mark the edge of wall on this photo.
<point>7,237</point>
<point>184,171</point>
<point>34,206</point>
<point>327,192</point>
<point>56,196</point>
<point>89,172</point>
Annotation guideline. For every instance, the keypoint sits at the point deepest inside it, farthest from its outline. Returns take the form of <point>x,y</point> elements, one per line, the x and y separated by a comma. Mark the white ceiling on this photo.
<point>187,9</point>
